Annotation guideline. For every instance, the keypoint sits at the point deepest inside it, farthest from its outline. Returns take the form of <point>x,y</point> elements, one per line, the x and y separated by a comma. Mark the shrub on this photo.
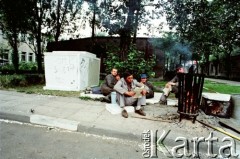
<point>7,67</point>
<point>28,66</point>
<point>7,81</point>
<point>24,67</point>
<point>135,63</point>
<point>12,80</point>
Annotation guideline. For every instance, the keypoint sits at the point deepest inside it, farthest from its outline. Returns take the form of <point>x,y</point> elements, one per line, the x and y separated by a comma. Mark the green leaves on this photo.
<point>135,62</point>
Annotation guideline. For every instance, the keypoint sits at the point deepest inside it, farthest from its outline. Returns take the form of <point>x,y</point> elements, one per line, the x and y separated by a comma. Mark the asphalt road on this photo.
<point>25,141</point>
<point>22,141</point>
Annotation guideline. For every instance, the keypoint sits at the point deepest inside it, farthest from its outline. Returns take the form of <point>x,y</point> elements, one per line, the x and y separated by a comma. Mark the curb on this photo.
<point>109,133</point>
<point>54,122</point>
<point>70,125</point>
<point>15,117</point>
<point>77,127</point>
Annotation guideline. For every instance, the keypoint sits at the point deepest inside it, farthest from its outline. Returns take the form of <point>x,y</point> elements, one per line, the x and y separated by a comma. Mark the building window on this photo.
<point>30,57</point>
<point>23,56</point>
<point>6,55</point>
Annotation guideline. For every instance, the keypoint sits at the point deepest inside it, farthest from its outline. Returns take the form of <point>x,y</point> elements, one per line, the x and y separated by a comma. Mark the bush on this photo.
<point>24,67</point>
<point>28,66</point>
<point>134,63</point>
<point>7,69</point>
<point>7,81</point>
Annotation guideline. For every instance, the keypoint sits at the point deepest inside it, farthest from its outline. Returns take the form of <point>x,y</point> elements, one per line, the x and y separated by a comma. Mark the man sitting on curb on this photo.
<point>125,92</point>
<point>108,84</point>
<point>171,86</point>
<point>150,92</point>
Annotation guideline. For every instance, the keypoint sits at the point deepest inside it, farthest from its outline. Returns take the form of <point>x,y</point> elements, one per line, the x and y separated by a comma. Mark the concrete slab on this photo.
<point>236,106</point>
<point>54,122</point>
<point>154,100</point>
<point>93,96</point>
<point>217,96</point>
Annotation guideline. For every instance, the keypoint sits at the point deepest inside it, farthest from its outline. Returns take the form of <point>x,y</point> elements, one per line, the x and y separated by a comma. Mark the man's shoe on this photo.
<point>105,99</point>
<point>140,112</point>
<point>162,102</point>
<point>124,114</point>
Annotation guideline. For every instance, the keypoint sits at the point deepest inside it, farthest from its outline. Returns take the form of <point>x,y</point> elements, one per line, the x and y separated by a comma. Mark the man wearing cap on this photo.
<point>171,86</point>
<point>150,92</point>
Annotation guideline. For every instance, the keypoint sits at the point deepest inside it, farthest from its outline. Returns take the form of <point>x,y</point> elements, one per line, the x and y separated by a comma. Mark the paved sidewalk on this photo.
<point>91,117</point>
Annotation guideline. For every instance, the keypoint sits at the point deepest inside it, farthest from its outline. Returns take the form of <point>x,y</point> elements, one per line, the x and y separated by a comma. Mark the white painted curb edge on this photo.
<point>54,122</point>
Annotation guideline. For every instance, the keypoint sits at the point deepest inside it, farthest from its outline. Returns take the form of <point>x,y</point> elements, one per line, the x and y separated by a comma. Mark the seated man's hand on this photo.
<point>144,92</point>
<point>130,93</point>
<point>171,83</point>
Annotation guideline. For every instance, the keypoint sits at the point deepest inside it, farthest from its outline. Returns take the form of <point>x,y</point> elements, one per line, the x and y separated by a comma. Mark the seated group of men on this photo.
<point>125,90</point>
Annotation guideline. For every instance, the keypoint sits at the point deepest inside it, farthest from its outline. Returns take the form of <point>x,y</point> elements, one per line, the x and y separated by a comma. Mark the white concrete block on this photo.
<point>236,107</point>
<point>155,99</point>
<point>129,109</point>
<point>71,70</point>
<point>93,96</point>
<point>113,108</point>
<point>217,96</point>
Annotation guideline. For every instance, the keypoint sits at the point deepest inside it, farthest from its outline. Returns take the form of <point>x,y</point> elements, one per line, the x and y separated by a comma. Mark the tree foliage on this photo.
<point>62,16</point>
<point>135,62</point>
<point>210,26</point>
<point>123,18</point>
<point>38,22</point>
<point>13,21</point>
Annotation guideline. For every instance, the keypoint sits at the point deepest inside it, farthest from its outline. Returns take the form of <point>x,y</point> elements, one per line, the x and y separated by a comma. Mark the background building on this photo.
<point>25,52</point>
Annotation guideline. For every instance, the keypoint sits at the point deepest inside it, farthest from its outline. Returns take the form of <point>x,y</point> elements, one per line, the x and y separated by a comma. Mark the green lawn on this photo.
<point>38,89</point>
<point>208,87</point>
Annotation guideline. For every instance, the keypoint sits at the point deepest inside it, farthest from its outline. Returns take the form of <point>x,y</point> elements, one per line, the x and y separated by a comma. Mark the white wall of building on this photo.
<point>25,52</point>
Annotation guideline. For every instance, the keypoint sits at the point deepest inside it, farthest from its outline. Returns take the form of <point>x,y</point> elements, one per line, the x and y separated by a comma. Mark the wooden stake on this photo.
<point>220,130</point>
<point>151,118</point>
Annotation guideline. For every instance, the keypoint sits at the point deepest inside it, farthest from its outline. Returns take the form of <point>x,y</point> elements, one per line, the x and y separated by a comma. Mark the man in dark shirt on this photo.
<point>171,86</point>
<point>109,82</point>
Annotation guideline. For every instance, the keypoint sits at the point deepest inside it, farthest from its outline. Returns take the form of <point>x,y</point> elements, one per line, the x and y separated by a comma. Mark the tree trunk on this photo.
<point>125,41</point>
<point>180,59</point>
<point>15,57</point>
<point>207,62</point>
<point>39,55</point>
<point>135,28</point>
<point>228,66</point>
<point>125,33</point>
<point>58,23</point>
<point>39,46</point>
<point>93,21</point>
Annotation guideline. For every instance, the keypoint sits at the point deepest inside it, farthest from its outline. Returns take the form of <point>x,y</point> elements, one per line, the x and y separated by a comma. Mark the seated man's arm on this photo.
<point>120,89</point>
<point>138,84</point>
<point>110,81</point>
<point>150,86</point>
<point>174,81</point>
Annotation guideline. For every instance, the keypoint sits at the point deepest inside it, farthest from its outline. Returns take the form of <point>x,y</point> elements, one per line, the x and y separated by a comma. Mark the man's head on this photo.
<point>114,72</point>
<point>118,76</point>
<point>128,77</point>
<point>143,78</point>
<point>179,68</point>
